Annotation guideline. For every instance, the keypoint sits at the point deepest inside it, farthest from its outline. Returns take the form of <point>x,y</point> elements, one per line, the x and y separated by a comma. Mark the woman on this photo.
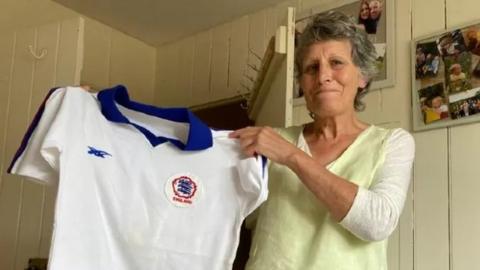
<point>337,185</point>
<point>363,14</point>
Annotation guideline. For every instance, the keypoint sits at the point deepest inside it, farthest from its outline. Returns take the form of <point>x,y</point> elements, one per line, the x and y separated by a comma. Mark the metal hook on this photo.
<point>256,55</point>
<point>246,87</point>
<point>253,67</point>
<point>36,56</point>
<point>250,78</point>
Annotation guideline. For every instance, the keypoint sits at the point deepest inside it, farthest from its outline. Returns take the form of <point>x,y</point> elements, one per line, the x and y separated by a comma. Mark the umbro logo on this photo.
<point>97,152</point>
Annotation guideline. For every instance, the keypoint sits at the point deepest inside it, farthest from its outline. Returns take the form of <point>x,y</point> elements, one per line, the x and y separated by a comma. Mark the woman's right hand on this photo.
<point>86,87</point>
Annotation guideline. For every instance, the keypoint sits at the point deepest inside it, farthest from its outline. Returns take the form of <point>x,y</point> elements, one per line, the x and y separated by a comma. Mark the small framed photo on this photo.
<point>446,78</point>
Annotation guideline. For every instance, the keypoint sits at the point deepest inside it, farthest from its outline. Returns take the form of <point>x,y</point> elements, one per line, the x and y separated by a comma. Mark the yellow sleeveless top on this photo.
<point>294,231</point>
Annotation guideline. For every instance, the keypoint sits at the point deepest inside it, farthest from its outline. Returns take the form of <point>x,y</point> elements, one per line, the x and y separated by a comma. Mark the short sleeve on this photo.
<point>253,174</point>
<point>39,152</point>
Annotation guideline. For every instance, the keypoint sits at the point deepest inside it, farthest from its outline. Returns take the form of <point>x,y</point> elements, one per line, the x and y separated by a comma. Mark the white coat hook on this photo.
<point>34,54</point>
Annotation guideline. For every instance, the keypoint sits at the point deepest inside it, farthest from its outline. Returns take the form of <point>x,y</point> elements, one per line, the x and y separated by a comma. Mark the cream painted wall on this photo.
<point>439,227</point>
<point>79,50</point>
<point>112,57</point>
<point>17,14</point>
<point>26,208</point>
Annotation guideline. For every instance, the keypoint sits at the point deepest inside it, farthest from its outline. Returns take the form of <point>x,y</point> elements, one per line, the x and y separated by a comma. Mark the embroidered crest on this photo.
<point>183,189</point>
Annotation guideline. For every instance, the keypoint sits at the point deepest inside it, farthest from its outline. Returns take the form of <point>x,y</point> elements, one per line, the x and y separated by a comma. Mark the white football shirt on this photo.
<point>140,187</point>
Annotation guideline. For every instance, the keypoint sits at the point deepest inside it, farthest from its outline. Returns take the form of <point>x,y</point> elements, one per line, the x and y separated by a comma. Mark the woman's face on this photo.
<point>364,11</point>
<point>330,79</point>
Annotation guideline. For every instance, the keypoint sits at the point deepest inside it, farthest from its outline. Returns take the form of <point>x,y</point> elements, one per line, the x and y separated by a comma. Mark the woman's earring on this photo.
<point>312,115</point>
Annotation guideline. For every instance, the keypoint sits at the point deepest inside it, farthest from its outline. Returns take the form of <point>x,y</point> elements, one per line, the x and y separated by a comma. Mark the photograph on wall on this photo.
<point>465,104</point>
<point>371,17</point>
<point>451,44</point>
<point>446,83</point>
<point>427,61</point>
<point>471,36</point>
<point>458,72</point>
<point>369,14</point>
<point>433,103</point>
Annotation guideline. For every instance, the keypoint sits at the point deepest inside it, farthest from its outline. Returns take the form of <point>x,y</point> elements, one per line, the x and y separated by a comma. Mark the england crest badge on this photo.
<point>183,189</point>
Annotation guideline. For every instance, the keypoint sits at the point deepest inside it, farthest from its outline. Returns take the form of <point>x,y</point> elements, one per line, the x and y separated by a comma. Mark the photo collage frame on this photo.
<point>446,78</point>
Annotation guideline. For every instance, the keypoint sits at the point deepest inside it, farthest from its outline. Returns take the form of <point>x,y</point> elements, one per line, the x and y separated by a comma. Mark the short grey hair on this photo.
<point>334,25</point>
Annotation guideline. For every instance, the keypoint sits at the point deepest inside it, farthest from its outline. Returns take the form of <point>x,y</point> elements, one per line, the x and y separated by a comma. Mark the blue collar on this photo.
<point>199,134</point>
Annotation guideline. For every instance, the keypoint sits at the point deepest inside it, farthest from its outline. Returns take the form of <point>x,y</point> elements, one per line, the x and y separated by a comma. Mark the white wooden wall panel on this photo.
<point>270,23</point>
<point>27,208</point>
<point>256,44</point>
<point>395,101</point>
<point>186,69</point>
<point>431,200</point>
<point>405,235</point>
<point>374,107</point>
<point>220,59</point>
<point>7,42</point>
<point>433,22</point>
<point>7,241</point>
<point>307,5</point>
<point>461,12</point>
<point>132,63</point>
<point>256,34</point>
<point>161,77</point>
<point>96,66</point>
<point>22,203</point>
<point>430,245</point>
<point>464,204</point>
<point>171,95</point>
<point>48,212</point>
<point>393,250</point>
<point>12,187</point>
<point>238,56</point>
<point>112,58</point>
<point>32,210</point>
<point>68,51</point>
<point>201,68</point>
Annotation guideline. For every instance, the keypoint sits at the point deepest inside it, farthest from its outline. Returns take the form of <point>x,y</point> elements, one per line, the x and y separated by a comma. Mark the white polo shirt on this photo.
<point>140,187</point>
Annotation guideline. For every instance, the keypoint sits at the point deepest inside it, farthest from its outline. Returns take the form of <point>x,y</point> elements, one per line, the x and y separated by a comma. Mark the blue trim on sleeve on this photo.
<point>264,165</point>
<point>199,136</point>
<point>30,130</point>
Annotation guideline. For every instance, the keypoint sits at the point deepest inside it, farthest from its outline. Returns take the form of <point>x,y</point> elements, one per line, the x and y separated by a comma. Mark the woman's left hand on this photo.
<point>265,141</point>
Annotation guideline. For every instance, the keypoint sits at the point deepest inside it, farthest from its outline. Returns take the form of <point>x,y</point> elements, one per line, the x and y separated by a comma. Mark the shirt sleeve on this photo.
<point>253,173</point>
<point>375,211</point>
<point>39,152</point>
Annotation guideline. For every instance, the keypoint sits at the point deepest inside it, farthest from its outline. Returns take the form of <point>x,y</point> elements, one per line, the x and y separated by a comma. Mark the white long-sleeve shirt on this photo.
<point>376,210</point>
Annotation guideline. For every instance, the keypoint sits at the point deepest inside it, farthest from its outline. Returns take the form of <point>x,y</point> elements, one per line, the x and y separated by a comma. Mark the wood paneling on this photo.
<point>428,16</point>
<point>465,183</point>
<point>220,57</point>
<point>201,68</point>
<point>12,187</point>
<point>238,56</point>
<point>431,201</point>
<point>132,63</point>
<point>27,208</point>
<point>460,12</point>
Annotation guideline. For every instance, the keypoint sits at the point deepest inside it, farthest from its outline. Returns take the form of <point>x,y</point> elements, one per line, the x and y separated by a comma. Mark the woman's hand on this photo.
<point>265,141</point>
<point>86,88</point>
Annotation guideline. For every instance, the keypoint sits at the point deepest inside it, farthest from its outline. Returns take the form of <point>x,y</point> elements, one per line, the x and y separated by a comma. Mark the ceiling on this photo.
<point>160,21</point>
